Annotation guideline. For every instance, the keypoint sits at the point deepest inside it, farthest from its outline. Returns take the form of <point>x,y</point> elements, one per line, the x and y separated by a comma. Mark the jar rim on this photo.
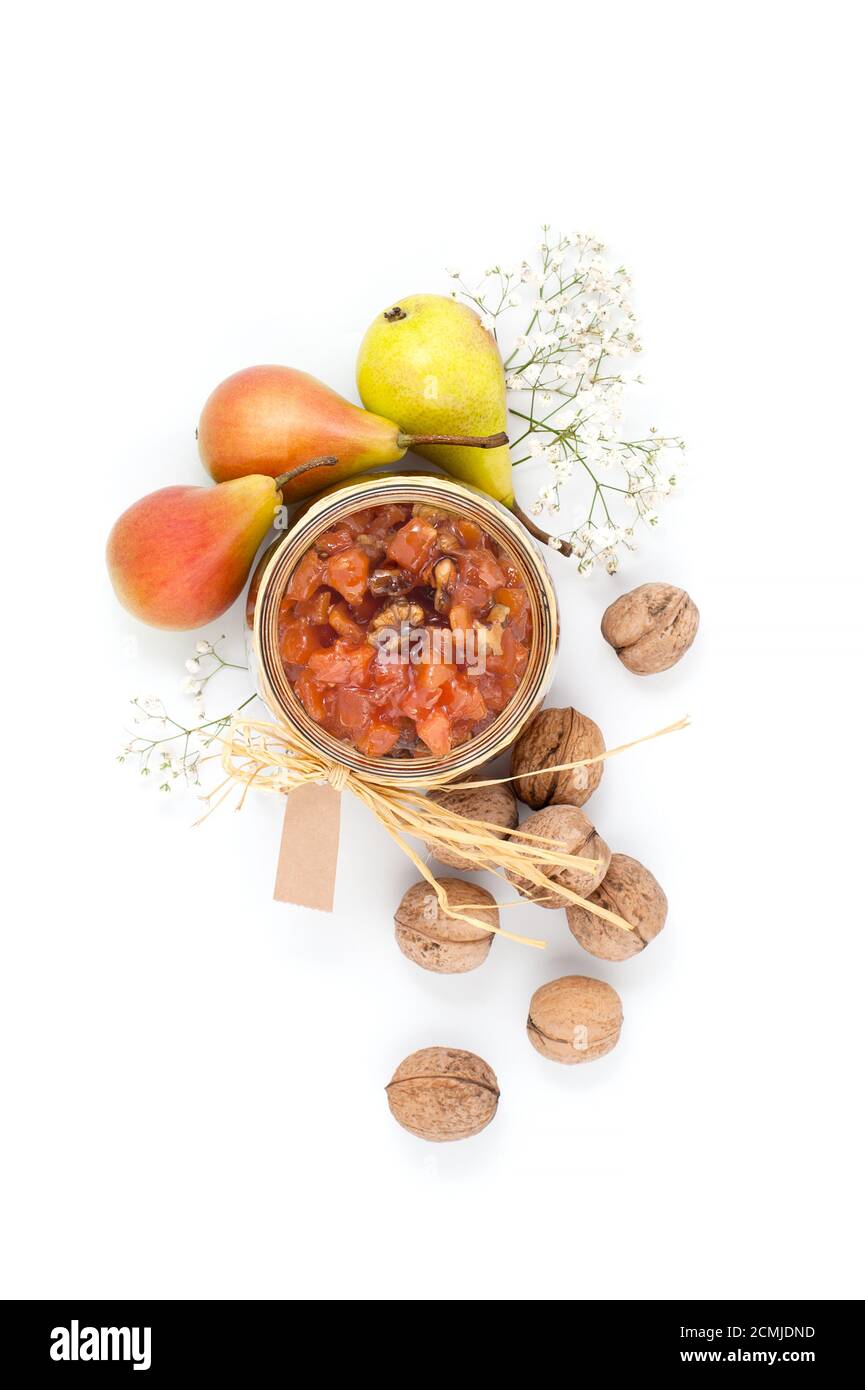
<point>506,530</point>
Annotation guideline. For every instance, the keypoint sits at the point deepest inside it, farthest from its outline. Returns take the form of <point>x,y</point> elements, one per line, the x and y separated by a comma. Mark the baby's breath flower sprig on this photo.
<point>172,747</point>
<point>205,663</point>
<point>566,377</point>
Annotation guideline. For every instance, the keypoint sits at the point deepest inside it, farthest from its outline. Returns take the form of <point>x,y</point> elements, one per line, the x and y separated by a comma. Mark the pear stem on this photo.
<point>466,441</point>
<point>325,461</point>
<point>563,547</point>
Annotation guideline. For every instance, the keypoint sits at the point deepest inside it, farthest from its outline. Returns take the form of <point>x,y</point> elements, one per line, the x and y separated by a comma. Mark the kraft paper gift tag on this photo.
<point>306,868</point>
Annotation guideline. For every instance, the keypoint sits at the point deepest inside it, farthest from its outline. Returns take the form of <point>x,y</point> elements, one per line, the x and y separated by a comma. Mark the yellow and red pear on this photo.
<point>270,419</point>
<point>180,556</point>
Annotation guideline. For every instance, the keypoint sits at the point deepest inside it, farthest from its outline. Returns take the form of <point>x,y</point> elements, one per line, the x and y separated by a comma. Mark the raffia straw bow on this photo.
<point>261,754</point>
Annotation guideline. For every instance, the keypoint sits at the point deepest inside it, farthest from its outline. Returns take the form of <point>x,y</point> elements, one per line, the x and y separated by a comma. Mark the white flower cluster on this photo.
<point>566,374</point>
<point>170,746</point>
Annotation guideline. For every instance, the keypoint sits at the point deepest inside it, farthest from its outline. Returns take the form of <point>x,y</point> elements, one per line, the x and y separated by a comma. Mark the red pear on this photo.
<point>180,556</point>
<point>269,419</point>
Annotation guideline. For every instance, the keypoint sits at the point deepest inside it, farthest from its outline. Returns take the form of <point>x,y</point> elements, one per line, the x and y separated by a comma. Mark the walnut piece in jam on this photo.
<point>404,630</point>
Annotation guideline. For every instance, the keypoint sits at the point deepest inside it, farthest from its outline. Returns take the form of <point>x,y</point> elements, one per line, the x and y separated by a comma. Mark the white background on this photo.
<point>192,1076</point>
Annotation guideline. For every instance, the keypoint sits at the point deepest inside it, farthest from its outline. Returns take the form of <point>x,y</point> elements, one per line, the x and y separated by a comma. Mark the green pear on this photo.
<point>429,363</point>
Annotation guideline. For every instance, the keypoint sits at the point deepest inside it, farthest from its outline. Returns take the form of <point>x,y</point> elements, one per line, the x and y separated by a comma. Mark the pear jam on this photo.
<point>405,630</point>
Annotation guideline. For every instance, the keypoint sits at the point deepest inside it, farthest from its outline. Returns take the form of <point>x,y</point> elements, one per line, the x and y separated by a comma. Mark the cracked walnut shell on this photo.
<point>551,737</point>
<point>575,834</point>
<point>651,627</point>
<point>443,1093</point>
<point>631,892</point>
<point>574,1019</point>
<point>498,805</point>
<point>436,941</point>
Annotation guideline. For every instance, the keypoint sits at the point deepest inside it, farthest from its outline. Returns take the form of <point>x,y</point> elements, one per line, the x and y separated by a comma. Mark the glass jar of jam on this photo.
<point>404,625</point>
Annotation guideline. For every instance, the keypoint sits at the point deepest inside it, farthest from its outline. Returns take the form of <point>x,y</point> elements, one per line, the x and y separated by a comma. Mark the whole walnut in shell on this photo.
<point>651,627</point>
<point>498,805</point>
<point>575,834</point>
<point>632,893</point>
<point>574,1019</point>
<point>552,737</point>
<point>437,941</point>
<point>443,1093</point>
